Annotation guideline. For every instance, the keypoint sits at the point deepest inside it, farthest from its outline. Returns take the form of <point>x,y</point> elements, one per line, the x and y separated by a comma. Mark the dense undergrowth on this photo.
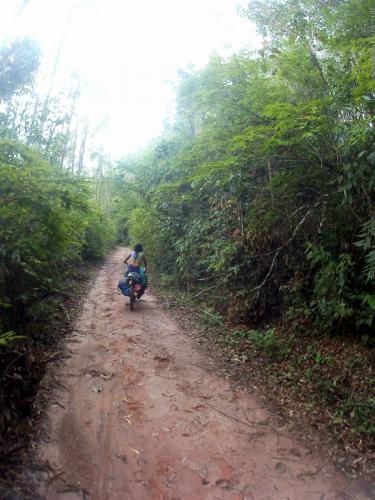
<point>259,196</point>
<point>49,223</point>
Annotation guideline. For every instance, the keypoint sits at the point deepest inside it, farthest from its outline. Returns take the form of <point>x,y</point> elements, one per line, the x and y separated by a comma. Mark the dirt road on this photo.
<point>144,415</point>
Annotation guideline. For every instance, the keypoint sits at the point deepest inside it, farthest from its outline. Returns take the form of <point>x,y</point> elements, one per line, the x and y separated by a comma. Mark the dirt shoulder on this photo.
<point>320,386</point>
<point>28,377</point>
<point>142,413</point>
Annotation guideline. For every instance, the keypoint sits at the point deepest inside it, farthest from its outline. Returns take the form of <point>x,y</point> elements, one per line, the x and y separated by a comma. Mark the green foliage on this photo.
<point>47,221</point>
<point>212,319</point>
<point>18,63</point>
<point>332,294</point>
<point>339,295</point>
<point>51,217</point>
<point>367,244</point>
<point>8,337</point>
<point>269,155</point>
<point>99,234</point>
<point>141,227</point>
<point>264,339</point>
<point>360,415</point>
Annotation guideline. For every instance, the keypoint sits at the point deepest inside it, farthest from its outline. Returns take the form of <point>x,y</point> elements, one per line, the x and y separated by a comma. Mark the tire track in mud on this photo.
<point>144,415</point>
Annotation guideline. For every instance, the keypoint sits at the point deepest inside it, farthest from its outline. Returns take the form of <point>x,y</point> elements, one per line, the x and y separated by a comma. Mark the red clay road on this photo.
<point>145,415</point>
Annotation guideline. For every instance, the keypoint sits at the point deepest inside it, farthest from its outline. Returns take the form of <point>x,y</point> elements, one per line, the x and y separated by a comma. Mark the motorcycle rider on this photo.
<point>138,264</point>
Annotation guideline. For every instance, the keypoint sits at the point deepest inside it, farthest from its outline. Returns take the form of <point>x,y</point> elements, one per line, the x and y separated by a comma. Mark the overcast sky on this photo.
<point>126,53</point>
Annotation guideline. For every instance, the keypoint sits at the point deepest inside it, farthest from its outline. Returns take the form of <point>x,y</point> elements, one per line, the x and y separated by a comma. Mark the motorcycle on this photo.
<point>132,287</point>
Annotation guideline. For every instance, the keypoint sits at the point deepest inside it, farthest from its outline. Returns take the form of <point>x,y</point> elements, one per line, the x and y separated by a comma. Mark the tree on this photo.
<point>18,64</point>
<point>264,184</point>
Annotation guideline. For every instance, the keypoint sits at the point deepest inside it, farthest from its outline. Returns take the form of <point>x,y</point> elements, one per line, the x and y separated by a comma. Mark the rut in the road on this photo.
<point>144,415</point>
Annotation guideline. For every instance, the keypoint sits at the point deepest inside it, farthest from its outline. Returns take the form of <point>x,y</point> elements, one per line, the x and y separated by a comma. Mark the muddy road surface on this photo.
<point>143,414</point>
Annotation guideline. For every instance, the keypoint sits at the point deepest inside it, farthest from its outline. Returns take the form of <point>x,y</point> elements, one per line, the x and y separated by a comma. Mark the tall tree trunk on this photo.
<point>82,147</point>
<point>74,148</point>
<point>54,69</point>
<point>34,123</point>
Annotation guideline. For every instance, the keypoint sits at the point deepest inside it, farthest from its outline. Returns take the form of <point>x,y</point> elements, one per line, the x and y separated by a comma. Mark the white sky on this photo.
<point>126,52</point>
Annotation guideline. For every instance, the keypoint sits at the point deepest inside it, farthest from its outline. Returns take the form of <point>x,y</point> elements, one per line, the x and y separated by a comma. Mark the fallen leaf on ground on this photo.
<point>127,418</point>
